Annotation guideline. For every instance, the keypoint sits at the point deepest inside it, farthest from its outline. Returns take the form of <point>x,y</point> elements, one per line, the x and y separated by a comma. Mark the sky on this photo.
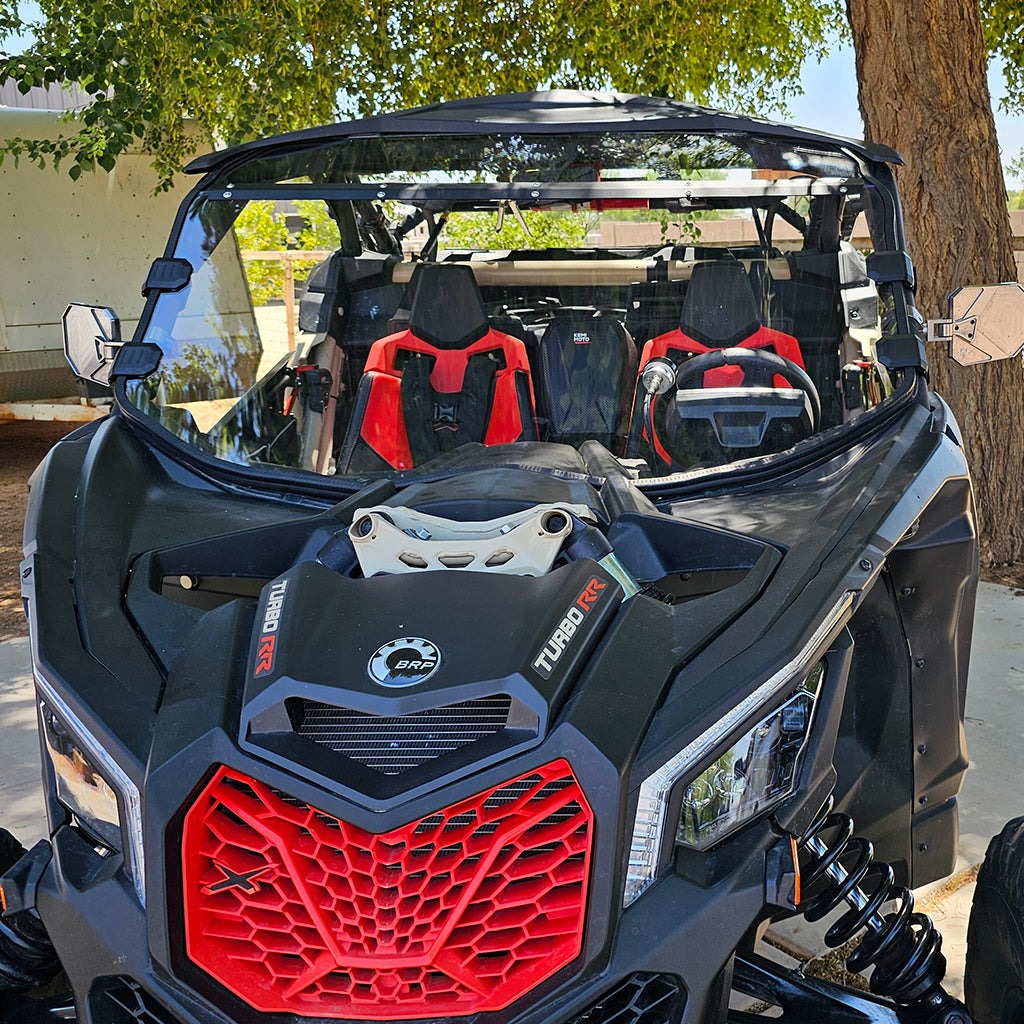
<point>829,100</point>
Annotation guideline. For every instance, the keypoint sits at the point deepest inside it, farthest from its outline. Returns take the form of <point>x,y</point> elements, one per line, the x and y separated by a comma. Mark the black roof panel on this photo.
<point>559,110</point>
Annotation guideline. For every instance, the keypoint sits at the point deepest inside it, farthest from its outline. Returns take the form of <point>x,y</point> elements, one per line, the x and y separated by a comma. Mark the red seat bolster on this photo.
<point>784,345</point>
<point>383,426</point>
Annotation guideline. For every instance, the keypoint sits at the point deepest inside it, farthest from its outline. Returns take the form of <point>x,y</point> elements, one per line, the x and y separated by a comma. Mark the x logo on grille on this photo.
<point>232,880</point>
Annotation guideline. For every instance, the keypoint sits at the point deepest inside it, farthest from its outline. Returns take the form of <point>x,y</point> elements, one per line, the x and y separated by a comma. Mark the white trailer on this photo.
<point>90,240</point>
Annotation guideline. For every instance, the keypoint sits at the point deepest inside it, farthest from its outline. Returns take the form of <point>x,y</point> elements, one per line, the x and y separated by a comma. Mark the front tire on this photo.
<point>994,978</point>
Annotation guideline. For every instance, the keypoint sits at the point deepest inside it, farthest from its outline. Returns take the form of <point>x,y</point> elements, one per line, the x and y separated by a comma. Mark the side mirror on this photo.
<point>985,323</point>
<point>92,338</point>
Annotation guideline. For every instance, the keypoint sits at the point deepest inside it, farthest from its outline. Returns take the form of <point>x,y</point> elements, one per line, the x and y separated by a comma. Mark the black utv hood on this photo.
<point>332,659</point>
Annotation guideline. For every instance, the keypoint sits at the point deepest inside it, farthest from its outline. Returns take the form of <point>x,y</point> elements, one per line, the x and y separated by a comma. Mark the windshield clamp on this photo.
<point>167,274</point>
<point>902,351</point>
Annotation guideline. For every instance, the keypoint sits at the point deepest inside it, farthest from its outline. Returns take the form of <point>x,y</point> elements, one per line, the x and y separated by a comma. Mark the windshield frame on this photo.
<point>877,176</point>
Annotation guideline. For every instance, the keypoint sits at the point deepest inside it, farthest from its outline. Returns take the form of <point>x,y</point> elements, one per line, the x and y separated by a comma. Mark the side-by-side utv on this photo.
<point>508,601</point>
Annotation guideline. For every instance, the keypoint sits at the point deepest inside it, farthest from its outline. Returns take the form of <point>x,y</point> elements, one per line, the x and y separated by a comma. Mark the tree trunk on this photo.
<point>922,89</point>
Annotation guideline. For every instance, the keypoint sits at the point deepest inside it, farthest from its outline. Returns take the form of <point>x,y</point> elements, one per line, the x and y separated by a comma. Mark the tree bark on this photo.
<point>922,88</point>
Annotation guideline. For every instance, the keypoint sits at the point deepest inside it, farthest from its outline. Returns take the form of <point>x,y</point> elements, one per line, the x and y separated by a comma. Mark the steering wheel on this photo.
<point>759,367</point>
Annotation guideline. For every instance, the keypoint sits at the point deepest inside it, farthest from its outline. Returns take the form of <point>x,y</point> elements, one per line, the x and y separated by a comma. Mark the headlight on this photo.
<point>90,784</point>
<point>755,773</point>
<point>730,792</point>
<point>81,788</point>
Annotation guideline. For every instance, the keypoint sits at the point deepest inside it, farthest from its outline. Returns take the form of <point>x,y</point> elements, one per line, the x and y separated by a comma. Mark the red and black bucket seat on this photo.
<point>719,311</point>
<point>448,380</point>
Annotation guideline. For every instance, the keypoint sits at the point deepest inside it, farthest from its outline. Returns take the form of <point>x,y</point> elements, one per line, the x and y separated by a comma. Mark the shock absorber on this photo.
<point>903,946</point>
<point>27,957</point>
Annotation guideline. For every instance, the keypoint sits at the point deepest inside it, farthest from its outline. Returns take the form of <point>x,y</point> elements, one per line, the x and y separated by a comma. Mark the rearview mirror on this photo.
<point>985,323</point>
<point>92,338</point>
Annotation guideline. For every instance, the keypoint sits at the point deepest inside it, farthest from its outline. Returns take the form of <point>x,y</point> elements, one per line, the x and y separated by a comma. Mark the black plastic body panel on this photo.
<point>168,689</point>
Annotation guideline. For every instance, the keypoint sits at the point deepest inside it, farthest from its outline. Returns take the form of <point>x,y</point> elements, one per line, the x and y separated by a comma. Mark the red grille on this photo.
<point>296,911</point>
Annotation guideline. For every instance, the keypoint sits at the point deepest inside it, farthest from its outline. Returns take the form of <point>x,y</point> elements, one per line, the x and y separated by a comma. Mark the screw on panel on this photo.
<point>866,564</point>
<point>922,748</point>
<point>919,663</point>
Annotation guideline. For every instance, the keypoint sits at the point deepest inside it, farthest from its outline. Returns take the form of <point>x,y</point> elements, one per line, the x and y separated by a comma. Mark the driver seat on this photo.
<point>719,311</point>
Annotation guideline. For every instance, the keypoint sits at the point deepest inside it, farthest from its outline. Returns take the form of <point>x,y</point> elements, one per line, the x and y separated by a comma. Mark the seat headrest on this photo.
<point>447,309</point>
<point>719,309</point>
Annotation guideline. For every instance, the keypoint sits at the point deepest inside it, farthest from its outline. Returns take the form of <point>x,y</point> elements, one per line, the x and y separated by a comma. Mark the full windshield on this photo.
<point>366,309</point>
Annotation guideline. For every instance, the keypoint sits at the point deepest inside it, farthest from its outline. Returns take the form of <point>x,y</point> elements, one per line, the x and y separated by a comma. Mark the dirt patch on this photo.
<point>955,883</point>
<point>22,447</point>
<point>1010,574</point>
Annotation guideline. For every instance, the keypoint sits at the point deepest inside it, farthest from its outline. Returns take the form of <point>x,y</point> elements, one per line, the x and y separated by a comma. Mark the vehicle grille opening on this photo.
<point>392,744</point>
<point>124,1001</point>
<point>459,912</point>
<point>640,999</point>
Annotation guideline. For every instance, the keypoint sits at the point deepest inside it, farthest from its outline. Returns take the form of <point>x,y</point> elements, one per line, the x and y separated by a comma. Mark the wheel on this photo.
<point>759,366</point>
<point>994,979</point>
<point>723,424</point>
<point>10,850</point>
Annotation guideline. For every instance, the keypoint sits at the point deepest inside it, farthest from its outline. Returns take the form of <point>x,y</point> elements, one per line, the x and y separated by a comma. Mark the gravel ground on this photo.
<point>22,446</point>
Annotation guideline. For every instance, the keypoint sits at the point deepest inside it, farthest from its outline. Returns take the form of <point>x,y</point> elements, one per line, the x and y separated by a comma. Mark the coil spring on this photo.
<point>903,946</point>
<point>27,958</point>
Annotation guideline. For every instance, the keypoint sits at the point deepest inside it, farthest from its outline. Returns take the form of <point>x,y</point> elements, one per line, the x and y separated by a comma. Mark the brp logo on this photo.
<point>405,661</point>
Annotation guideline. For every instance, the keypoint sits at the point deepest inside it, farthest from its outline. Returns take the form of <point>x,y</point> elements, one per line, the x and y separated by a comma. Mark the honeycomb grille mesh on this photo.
<point>640,999</point>
<point>462,911</point>
<point>392,744</point>
<point>123,1001</point>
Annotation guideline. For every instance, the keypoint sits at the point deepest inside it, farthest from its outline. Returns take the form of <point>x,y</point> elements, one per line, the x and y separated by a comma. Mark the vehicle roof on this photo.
<point>556,111</point>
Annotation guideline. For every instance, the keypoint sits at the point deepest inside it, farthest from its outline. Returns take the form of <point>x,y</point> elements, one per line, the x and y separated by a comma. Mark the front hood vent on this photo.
<point>385,688</point>
<point>392,744</point>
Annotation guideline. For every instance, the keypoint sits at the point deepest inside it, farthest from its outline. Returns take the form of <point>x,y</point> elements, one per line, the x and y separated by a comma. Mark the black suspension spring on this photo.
<point>903,946</point>
<point>27,958</point>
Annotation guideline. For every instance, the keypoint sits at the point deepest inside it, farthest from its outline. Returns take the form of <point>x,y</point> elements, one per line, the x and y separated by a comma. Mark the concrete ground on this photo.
<point>991,794</point>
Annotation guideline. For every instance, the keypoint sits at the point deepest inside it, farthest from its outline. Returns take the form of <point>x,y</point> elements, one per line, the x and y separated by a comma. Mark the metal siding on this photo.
<point>43,97</point>
<point>90,240</point>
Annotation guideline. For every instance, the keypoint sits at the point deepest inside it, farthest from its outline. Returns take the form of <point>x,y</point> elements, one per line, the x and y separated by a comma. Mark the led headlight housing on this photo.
<point>81,787</point>
<point>757,770</point>
<point>754,774</point>
<point>90,784</point>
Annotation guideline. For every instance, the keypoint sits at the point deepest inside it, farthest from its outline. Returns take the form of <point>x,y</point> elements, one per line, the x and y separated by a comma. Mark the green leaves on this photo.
<point>241,69</point>
<point>1004,34</point>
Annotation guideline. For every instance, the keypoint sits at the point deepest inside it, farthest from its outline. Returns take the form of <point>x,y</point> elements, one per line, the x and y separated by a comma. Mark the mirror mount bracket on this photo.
<point>948,330</point>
